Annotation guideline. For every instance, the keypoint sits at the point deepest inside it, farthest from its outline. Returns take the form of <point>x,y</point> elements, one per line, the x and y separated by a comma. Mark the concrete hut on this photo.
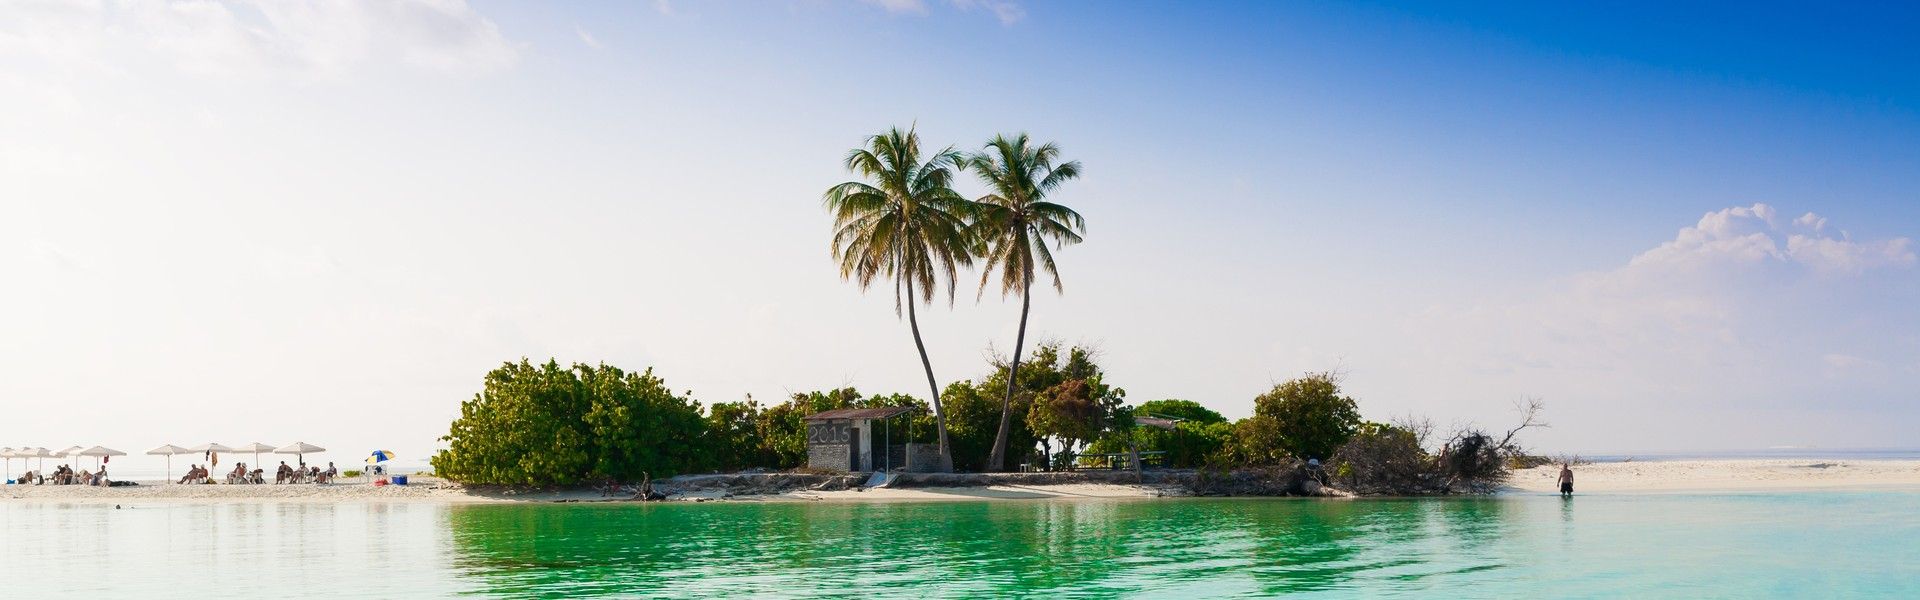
<point>865,439</point>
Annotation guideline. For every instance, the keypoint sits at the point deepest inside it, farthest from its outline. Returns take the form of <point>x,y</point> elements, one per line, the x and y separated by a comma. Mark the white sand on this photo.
<point>1622,477</point>
<point>1725,475</point>
<point>423,489</point>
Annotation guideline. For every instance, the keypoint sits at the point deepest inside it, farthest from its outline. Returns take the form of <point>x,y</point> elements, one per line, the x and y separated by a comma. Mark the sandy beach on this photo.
<point>1724,475</point>
<point>1617,477</point>
<point>434,490</point>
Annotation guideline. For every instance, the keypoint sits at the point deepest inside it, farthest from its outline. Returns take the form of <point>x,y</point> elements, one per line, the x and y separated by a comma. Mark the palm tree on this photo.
<point>907,225</point>
<point>1014,224</point>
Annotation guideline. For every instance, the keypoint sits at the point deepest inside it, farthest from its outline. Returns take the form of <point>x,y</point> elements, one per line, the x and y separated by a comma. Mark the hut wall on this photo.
<point>829,457</point>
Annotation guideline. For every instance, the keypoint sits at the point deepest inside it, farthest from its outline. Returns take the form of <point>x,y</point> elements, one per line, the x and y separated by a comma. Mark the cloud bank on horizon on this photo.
<point>223,213</point>
<point>1741,314</point>
<point>304,41</point>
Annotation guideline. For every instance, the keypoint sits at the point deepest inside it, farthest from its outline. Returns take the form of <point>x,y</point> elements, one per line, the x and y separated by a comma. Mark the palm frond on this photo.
<point>1015,223</point>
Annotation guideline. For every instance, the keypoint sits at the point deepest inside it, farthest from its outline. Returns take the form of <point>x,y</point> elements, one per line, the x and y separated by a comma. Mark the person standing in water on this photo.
<point>1566,479</point>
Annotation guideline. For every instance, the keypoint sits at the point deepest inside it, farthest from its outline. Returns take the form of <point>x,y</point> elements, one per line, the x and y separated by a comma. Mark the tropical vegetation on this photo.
<point>905,223</point>
<point>1014,224</point>
<point>902,223</point>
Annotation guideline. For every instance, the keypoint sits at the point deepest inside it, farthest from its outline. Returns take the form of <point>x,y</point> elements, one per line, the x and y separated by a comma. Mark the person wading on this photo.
<point>1566,480</point>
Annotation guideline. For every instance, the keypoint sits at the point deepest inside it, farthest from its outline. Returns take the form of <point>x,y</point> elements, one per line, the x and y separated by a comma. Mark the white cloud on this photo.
<point>587,38</point>
<point>1750,235</point>
<point>304,40</point>
<point>916,7</point>
<point>664,7</point>
<point>1812,221</point>
<point>1008,12</point>
<point>1732,313</point>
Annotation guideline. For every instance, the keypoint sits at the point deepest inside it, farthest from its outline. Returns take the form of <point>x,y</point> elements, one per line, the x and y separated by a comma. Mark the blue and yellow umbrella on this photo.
<point>380,456</point>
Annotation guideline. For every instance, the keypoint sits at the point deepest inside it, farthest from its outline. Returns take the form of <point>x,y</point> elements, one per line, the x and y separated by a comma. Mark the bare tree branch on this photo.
<point>1529,408</point>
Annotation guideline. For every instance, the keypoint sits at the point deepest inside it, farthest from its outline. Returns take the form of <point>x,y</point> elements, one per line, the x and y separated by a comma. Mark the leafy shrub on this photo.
<point>1188,445</point>
<point>550,425</point>
<point>1302,418</point>
<point>1183,410</point>
<point>350,474</point>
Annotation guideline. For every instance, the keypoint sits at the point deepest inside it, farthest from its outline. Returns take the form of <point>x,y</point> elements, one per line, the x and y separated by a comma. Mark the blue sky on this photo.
<point>353,210</point>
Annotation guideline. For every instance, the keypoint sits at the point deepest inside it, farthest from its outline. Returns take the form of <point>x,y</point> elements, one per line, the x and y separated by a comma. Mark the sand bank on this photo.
<point>1621,477</point>
<point>427,490</point>
<point>1725,475</point>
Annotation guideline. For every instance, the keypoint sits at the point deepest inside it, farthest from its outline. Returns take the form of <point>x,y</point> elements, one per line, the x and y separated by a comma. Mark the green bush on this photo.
<point>350,474</point>
<point>1184,410</point>
<point>549,425</point>
<point>1190,444</point>
<point>1303,418</point>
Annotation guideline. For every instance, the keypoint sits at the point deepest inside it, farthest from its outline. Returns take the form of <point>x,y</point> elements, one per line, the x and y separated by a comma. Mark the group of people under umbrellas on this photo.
<point>71,474</point>
<point>241,474</point>
<point>62,474</point>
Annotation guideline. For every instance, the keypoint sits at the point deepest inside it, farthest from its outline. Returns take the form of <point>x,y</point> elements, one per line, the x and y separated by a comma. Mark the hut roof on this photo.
<point>859,413</point>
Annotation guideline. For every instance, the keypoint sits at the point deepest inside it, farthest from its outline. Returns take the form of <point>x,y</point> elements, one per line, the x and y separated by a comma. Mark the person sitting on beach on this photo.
<point>283,474</point>
<point>1566,479</point>
<point>100,479</point>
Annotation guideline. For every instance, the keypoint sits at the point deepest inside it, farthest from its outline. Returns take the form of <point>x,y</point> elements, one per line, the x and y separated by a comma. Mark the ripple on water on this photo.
<point>1647,546</point>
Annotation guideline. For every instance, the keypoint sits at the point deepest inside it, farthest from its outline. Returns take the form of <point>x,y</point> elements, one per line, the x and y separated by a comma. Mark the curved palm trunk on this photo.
<point>939,416</point>
<point>997,460</point>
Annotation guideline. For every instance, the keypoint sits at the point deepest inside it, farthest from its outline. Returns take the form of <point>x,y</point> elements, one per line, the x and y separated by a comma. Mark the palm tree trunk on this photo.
<point>939,416</point>
<point>996,461</point>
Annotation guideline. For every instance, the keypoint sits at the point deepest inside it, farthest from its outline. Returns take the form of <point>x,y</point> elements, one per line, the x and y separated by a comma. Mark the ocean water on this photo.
<point>1811,544</point>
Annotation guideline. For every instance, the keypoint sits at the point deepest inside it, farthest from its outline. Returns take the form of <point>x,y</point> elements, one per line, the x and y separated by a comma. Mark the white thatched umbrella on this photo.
<point>301,449</point>
<point>256,448</point>
<point>7,453</point>
<point>72,452</point>
<point>43,454</point>
<point>211,450</point>
<point>169,450</point>
<point>100,454</point>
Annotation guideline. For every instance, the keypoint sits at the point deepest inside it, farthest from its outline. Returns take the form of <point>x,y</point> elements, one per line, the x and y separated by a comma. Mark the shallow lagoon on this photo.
<point>1680,545</point>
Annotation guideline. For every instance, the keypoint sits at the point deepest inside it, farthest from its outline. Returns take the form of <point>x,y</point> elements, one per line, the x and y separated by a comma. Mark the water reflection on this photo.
<point>1089,549</point>
<point>178,550</point>
<point>1859,545</point>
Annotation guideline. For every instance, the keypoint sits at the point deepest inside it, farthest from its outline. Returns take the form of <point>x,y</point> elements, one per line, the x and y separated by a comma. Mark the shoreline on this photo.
<point>1632,477</point>
<point>1725,475</point>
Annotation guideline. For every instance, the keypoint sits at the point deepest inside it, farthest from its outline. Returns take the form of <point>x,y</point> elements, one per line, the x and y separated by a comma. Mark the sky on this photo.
<point>1683,228</point>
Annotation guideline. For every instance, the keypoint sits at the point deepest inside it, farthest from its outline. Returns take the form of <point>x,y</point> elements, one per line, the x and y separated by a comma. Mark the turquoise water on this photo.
<point>1677,546</point>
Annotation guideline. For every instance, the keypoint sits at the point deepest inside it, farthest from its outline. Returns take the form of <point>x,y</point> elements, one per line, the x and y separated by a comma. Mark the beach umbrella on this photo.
<point>380,456</point>
<point>169,450</point>
<point>43,454</point>
<point>210,449</point>
<point>72,452</point>
<point>100,453</point>
<point>301,449</point>
<point>23,453</point>
<point>256,448</point>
